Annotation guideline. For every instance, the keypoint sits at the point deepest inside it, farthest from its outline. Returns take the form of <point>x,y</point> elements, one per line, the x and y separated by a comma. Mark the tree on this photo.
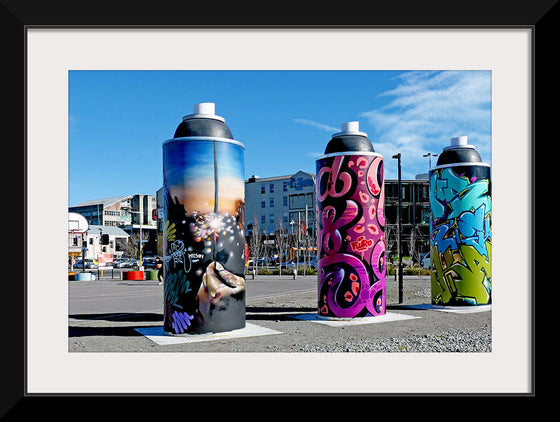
<point>132,247</point>
<point>255,241</point>
<point>281,240</point>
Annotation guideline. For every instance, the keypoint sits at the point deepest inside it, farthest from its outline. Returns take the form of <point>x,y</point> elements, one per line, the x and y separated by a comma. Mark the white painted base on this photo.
<point>454,309</point>
<point>340,322</point>
<point>157,335</point>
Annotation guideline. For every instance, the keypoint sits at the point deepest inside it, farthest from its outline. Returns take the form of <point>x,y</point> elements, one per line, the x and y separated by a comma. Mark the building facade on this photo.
<point>283,202</point>
<point>132,214</point>
<point>274,202</point>
<point>415,222</point>
<point>289,202</point>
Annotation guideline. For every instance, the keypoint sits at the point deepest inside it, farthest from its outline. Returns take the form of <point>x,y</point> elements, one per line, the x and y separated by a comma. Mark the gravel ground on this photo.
<point>433,331</point>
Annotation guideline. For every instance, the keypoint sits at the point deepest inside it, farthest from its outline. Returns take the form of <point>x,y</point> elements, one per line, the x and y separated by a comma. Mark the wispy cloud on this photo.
<point>426,109</point>
<point>321,126</point>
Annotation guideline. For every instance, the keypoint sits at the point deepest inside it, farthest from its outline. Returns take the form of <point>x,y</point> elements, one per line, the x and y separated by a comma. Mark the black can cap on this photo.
<point>459,152</point>
<point>203,122</point>
<point>349,139</point>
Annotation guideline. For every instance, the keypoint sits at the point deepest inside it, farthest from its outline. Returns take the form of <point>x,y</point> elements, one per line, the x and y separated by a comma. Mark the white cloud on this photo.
<point>317,125</point>
<point>427,109</point>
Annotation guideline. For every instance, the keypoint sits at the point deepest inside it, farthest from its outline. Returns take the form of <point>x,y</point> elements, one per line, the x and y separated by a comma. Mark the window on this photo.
<point>263,189</point>
<point>263,204</point>
<point>271,218</point>
<point>285,201</point>
<point>263,219</point>
<point>285,186</point>
<point>271,202</point>
<point>271,188</point>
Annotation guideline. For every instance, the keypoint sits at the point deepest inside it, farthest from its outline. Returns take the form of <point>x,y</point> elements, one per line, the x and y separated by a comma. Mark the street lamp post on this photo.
<point>430,155</point>
<point>399,211</point>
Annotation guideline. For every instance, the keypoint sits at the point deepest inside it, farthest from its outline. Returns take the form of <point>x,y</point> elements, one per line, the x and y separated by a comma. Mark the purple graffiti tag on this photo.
<point>335,175</point>
<point>351,239</point>
<point>353,286</point>
<point>181,321</point>
<point>333,222</point>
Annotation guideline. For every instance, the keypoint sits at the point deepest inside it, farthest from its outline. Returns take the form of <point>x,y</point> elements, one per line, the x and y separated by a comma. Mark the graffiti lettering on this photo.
<point>351,223</point>
<point>361,244</point>
<point>461,239</point>
<point>338,184</point>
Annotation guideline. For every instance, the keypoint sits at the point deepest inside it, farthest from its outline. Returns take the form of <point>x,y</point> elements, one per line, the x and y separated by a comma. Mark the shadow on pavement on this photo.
<point>258,313</point>
<point>112,316</point>
<point>103,331</point>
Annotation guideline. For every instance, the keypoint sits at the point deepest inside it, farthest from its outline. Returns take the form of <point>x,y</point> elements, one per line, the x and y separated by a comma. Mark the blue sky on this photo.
<point>118,120</point>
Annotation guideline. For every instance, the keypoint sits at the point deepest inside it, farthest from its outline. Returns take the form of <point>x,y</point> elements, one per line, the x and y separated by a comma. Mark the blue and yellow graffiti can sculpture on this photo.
<point>460,227</point>
<point>204,235</point>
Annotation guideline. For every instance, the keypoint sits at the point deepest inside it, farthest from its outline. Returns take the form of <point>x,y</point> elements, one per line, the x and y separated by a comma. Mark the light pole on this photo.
<point>430,155</point>
<point>399,210</point>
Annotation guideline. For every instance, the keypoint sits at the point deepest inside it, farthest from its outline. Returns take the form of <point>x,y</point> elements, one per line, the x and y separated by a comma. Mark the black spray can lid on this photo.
<point>203,122</point>
<point>349,139</point>
<point>459,152</point>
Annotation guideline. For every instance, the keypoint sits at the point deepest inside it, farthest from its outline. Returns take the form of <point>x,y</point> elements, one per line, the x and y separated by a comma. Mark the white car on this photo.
<point>426,260</point>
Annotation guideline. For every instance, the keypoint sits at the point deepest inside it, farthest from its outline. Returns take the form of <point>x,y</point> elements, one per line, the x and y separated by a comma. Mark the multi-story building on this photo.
<point>106,212</point>
<point>134,214</point>
<point>415,206</point>
<point>272,201</point>
<point>283,202</point>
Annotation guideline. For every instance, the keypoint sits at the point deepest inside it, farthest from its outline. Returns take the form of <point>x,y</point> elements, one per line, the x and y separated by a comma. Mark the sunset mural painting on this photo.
<point>351,227</point>
<point>460,227</point>
<point>204,238</point>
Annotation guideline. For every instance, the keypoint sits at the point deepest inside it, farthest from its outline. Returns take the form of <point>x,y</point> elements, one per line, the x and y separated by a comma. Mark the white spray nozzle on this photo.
<point>459,141</point>
<point>204,110</point>
<point>350,128</point>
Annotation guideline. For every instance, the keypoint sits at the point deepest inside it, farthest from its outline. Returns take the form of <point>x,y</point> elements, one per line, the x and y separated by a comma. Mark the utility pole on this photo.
<point>399,210</point>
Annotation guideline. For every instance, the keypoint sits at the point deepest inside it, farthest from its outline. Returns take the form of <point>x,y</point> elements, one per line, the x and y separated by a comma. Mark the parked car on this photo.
<point>121,263</point>
<point>88,264</point>
<point>425,259</point>
<point>312,262</point>
<point>149,262</point>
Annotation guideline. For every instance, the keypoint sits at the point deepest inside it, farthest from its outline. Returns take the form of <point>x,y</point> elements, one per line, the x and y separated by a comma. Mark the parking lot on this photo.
<point>109,315</point>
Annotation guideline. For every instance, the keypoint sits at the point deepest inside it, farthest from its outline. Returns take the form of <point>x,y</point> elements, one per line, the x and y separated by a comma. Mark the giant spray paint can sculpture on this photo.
<point>351,227</point>
<point>204,237</point>
<point>460,227</point>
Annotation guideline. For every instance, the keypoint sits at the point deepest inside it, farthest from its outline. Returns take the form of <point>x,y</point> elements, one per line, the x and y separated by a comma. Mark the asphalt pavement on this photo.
<point>114,315</point>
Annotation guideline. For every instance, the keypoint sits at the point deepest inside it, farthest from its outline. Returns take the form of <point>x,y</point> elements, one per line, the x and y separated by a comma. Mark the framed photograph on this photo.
<point>51,51</point>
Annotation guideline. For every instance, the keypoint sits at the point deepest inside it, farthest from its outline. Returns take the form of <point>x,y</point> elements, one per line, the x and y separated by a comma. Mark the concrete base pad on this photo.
<point>454,309</point>
<point>157,335</point>
<point>340,322</point>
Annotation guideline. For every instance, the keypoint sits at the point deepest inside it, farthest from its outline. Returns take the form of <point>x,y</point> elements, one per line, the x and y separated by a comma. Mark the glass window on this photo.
<point>271,202</point>
<point>262,189</point>
<point>272,188</point>
<point>263,219</point>
<point>285,186</point>
<point>263,204</point>
<point>285,201</point>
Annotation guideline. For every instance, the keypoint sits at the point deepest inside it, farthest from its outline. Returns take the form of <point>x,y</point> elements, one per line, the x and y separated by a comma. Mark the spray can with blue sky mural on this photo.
<point>204,236</point>
<point>351,227</point>
<point>460,227</point>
